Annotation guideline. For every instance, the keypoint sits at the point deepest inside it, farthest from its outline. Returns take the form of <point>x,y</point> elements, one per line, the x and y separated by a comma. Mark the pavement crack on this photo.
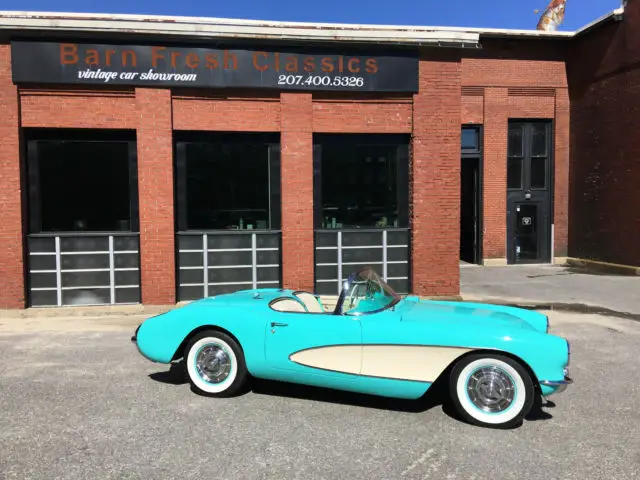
<point>423,458</point>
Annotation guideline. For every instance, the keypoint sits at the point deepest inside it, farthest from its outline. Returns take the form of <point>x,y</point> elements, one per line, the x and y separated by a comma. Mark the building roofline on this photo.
<point>227,28</point>
<point>615,15</point>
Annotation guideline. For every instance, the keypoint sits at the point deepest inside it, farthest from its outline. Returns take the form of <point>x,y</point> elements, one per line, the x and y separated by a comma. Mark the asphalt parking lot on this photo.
<point>82,404</point>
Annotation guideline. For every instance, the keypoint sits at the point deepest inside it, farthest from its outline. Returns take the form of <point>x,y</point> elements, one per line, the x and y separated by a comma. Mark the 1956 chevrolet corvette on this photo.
<point>496,359</point>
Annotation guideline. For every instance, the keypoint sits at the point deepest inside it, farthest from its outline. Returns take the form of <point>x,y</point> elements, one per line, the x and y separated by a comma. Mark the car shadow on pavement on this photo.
<point>431,399</point>
<point>436,395</point>
<point>174,376</point>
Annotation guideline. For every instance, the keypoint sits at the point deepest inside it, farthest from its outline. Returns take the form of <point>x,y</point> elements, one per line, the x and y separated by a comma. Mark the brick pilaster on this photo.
<point>435,172</point>
<point>496,124</point>
<point>297,190</point>
<point>155,183</point>
<point>561,184</point>
<point>11,233</point>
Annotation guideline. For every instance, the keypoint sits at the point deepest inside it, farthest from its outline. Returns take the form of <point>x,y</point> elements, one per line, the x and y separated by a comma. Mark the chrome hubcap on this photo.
<point>213,364</point>
<point>491,389</point>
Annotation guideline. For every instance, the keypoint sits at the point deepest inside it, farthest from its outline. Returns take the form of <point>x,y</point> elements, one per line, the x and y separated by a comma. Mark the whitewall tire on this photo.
<point>491,390</point>
<point>215,364</point>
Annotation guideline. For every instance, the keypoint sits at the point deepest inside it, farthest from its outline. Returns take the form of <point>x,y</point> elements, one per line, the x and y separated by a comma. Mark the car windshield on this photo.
<point>365,292</point>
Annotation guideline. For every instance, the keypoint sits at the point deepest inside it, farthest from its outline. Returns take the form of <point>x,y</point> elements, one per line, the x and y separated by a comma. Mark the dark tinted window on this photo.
<point>514,172</point>
<point>538,172</point>
<point>470,139</point>
<point>363,186</point>
<point>538,139</point>
<point>227,186</point>
<point>515,141</point>
<point>81,186</point>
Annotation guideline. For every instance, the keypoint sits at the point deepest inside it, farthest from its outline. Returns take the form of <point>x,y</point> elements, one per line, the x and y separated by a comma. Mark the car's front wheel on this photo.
<point>215,364</point>
<point>491,390</point>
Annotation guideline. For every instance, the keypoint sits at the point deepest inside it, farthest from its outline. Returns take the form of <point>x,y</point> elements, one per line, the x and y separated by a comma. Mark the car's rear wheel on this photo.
<point>491,390</point>
<point>215,364</point>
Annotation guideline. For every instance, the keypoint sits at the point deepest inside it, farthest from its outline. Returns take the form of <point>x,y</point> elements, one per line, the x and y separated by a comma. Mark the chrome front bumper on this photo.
<point>559,385</point>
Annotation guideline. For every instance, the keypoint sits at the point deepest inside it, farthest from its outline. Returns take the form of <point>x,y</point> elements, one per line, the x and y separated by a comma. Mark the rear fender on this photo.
<point>160,338</point>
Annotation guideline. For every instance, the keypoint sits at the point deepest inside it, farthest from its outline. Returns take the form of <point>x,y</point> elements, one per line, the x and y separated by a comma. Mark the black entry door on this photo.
<point>529,192</point>
<point>528,224</point>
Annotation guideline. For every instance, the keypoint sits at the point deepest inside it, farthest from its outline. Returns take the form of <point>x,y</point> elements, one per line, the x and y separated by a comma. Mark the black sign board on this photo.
<point>167,66</point>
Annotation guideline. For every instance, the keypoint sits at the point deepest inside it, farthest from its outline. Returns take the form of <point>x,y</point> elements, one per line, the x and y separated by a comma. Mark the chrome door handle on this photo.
<point>278,324</point>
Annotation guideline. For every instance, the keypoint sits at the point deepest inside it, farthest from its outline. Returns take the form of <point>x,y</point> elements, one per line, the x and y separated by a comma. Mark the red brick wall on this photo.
<point>362,116</point>
<point>155,184</point>
<point>91,108</point>
<point>435,170</point>
<point>297,191</point>
<point>496,110</point>
<point>561,184</point>
<point>472,105</point>
<point>510,63</point>
<point>228,113</point>
<point>516,80</point>
<point>11,234</point>
<point>604,74</point>
<point>531,106</point>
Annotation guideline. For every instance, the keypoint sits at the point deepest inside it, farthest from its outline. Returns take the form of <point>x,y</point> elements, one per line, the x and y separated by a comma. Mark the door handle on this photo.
<point>278,324</point>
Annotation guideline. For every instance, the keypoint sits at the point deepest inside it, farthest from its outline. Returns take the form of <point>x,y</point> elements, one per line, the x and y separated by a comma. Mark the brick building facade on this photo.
<point>604,74</point>
<point>476,158</point>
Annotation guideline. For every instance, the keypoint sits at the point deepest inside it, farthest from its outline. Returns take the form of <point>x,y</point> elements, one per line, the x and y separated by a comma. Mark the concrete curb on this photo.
<point>603,267</point>
<point>79,312</point>
<point>134,310</point>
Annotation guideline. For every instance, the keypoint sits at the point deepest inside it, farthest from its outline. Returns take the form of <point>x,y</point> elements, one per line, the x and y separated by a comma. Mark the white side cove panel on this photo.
<point>408,362</point>
<point>401,362</point>
<point>338,358</point>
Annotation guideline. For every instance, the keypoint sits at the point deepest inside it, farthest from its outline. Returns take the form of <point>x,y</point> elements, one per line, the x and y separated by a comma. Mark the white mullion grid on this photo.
<point>339,262</point>
<point>254,261</point>
<point>205,263</point>
<point>88,270</point>
<point>97,252</point>
<point>206,267</point>
<point>384,255</point>
<point>361,247</point>
<point>58,272</point>
<point>58,254</point>
<point>112,273</point>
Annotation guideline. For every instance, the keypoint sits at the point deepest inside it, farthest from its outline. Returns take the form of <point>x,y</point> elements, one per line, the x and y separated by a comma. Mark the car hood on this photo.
<point>463,314</point>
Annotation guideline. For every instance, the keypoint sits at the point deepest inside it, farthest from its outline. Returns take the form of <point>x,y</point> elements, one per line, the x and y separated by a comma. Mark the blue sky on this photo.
<point>462,13</point>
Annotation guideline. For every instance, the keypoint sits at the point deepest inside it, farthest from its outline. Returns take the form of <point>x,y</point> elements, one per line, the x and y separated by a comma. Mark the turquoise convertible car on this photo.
<point>495,359</point>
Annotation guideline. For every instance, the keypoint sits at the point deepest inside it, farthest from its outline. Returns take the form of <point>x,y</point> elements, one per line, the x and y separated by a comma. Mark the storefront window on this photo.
<point>82,185</point>
<point>361,183</point>
<point>228,183</point>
